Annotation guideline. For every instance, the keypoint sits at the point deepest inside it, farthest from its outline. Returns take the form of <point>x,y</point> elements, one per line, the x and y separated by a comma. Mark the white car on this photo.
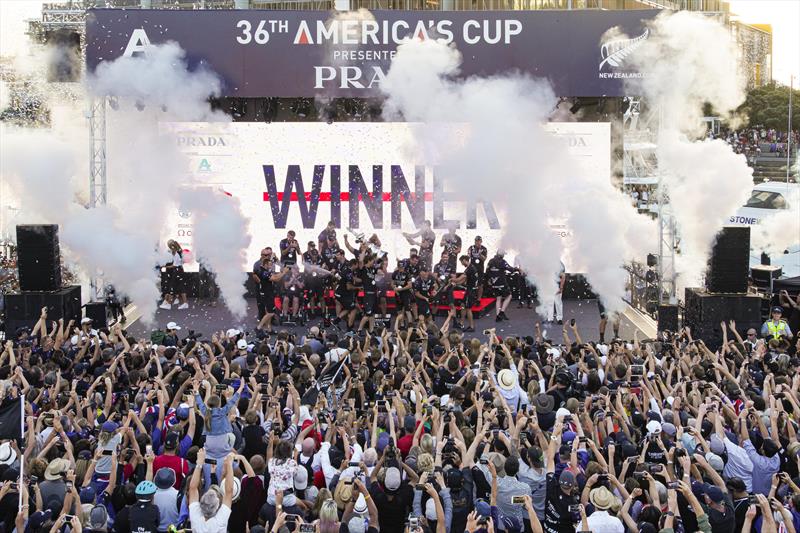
<point>768,199</point>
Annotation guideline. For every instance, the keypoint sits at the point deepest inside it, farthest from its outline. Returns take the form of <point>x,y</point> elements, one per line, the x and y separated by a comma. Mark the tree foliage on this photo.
<point>768,106</point>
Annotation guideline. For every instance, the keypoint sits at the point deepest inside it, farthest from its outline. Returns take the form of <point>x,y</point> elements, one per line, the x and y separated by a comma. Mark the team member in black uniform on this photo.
<point>327,235</point>
<point>470,279</point>
<point>561,491</point>
<point>444,277</point>
<point>314,278</point>
<point>427,238</point>
<point>402,286</point>
<point>497,271</point>
<point>367,274</point>
<point>604,321</point>
<point>290,249</point>
<point>293,287</point>
<point>424,287</point>
<point>477,255</point>
<point>346,291</point>
<point>266,276</point>
<point>384,285</point>
<point>144,515</point>
<point>452,245</point>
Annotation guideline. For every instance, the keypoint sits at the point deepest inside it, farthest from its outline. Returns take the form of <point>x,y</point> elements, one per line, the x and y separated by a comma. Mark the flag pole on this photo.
<point>21,455</point>
<point>789,132</point>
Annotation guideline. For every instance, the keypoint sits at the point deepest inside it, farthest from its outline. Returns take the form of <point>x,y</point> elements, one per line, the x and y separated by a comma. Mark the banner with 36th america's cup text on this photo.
<point>310,53</point>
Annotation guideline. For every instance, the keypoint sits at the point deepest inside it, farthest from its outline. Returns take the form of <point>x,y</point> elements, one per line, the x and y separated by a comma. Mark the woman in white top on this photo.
<point>173,277</point>
<point>281,468</point>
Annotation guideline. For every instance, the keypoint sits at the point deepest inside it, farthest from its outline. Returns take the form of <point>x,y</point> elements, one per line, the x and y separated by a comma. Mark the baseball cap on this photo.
<point>360,505</point>
<point>86,320</point>
<point>173,326</point>
<point>392,479</point>
<point>714,493</point>
<point>241,344</point>
<point>109,426</point>
<point>716,444</point>
<point>483,509</point>
<point>164,478</point>
<point>301,478</point>
<point>654,427</point>
<point>715,461</point>
<point>567,479</point>
<point>98,517</point>
<point>88,494</point>
<point>171,440</point>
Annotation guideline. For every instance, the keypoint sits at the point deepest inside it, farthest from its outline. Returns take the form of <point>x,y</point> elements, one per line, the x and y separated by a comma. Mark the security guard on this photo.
<point>777,327</point>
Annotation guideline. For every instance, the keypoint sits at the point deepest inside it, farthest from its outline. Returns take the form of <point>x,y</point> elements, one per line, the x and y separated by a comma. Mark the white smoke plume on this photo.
<point>505,156</point>
<point>220,241</point>
<point>689,60</point>
<point>776,233</point>
<point>160,78</point>
<point>145,170</point>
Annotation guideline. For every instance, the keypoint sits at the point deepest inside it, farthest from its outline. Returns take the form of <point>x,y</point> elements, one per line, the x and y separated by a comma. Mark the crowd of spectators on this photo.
<point>406,429</point>
<point>749,141</point>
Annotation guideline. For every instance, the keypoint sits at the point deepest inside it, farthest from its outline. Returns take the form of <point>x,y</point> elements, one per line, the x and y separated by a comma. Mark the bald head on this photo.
<point>308,446</point>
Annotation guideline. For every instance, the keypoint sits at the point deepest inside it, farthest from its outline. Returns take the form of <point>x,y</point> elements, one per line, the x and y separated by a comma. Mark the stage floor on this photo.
<point>207,317</point>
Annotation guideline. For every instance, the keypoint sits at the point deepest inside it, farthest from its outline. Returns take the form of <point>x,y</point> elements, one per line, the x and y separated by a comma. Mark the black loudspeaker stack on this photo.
<point>39,266</point>
<point>705,311</point>
<point>38,258</point>
<point>729,265</point>
<point>668,318</point>
<point>24,309</point>
<point>97,312</point>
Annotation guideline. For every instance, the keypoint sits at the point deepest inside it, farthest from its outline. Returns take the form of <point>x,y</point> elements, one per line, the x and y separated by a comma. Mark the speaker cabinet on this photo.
<point>705,311</point>
<point>728,266</point>
<point>668,318</point>
<point>25,308</point>
<point>97,312</point>
<point>38,258</point>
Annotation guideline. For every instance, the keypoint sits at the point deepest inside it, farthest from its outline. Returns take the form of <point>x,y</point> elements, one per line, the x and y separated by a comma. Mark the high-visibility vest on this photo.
<point>776,328</point>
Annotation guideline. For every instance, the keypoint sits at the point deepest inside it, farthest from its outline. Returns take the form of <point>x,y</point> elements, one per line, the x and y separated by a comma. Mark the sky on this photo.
<point>783,15</point>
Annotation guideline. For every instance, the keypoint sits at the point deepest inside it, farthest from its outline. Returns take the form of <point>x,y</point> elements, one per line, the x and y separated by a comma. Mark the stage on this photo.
<point>205,316</point>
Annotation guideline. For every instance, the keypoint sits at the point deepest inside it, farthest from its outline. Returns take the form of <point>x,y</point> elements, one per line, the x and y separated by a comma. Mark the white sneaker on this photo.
<point>165,305</point>
<point>183,306</point>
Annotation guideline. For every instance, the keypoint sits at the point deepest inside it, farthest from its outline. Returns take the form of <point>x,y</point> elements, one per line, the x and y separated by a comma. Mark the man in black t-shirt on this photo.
<point>497,271</point>
<point>469,279</point>
<point>452,245</point>
<point>561,490</point>
<point>393,502</point>
<point>368,273</point>
<point>423,290</point>
<point>327,235</point>
<point>477,255</point>
<point>444,277</point>
<point>346,290</point>
<point>290,249</point>
<point>427,238</point>
<point>266,276</point>
<point>402,287</point>
<point>313,277</point>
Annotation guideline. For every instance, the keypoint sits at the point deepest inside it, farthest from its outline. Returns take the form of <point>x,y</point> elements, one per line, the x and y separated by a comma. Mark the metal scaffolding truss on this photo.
<point>641,134</point>
<point>63,16</point>
<point>98,191</point>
